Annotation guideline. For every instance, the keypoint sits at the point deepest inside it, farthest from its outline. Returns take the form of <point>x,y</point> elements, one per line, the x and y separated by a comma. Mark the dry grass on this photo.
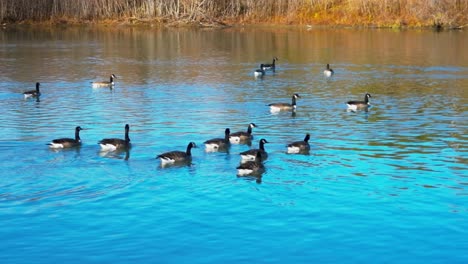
<point>387,13</point>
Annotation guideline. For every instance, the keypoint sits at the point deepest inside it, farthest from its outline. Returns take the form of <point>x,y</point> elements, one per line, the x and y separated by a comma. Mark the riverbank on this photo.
<point>448,14</point>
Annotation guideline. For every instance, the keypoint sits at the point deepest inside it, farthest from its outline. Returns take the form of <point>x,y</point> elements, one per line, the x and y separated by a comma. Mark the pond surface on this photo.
<point>387,185</point>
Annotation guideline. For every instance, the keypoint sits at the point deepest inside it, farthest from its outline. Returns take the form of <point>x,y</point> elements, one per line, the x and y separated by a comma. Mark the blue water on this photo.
<point>385,186</point>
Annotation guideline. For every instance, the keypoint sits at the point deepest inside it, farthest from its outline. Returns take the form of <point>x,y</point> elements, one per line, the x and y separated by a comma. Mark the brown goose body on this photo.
<point>111,144</point>
<point>277,107</point>
<point>242,136</point>
<point>177,156</point>
<point>359,105</point>
<point>216,144</point>
<point>33,93</point>
<point>110,83</point>
<point>67,142</point>
<point>299,146</point>
<point>251,154</point>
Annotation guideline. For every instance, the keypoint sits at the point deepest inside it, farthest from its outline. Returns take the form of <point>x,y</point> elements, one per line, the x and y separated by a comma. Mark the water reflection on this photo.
<point>115,154</point>
<point>182,84</point>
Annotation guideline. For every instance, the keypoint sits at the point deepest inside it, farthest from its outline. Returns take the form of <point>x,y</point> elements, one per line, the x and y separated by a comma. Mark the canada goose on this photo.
<point>252,153</point>
<point>33,93</point>
<point>110,83</point>
<point>216,144</point>
<point>111,144</point>
<point>259,72</point>
<point>300,146</point>
<point>269,66</point>
<point>276,107</point>
<point>328,72</point>
<point>242,136</point>
<point>67,142</point>
<point>359,105</point>
<point>177,156</point>
<point>255,167</point>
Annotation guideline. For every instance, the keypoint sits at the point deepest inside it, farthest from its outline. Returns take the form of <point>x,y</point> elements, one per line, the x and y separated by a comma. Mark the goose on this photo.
<point>328,72</point>
<point>277,107</point>
<point>269,66</point>
<point>255,167</point>
<point>177,156</point>
<point>111,144</point>
<point>359,105</point>
<point>242,136</point>
<point>33,93</point>
<point>67,142</point>
<point>110,83</point>
<point>259,72</point>
<point>252,153</point>
<point>216,144</point>
<point>300,146</point>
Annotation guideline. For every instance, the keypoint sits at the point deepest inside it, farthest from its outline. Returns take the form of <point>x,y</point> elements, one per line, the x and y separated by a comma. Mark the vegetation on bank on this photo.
<point>379,13</point>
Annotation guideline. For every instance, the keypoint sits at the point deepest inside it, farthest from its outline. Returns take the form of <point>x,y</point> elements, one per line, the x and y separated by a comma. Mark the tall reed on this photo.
<point>362,12</point>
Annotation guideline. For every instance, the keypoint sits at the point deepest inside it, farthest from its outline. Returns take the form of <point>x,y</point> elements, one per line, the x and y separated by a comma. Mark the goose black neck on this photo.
<point>226,135</point>
<point>127,138</point>
<point>307,137</point>
<point>37,87</point>
<point>262,145</point>
<point>111,78</point>
<point>294,100</point>
<point>249,130</point>
<point>366,99</point>
<point>77,134</point>
<point>189,149</point>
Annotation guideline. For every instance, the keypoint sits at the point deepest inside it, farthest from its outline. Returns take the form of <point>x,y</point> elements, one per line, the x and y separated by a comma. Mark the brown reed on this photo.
<point>385,13</point>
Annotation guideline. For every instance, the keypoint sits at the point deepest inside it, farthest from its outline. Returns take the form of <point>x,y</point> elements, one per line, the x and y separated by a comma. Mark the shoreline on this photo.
<point>135,22</point>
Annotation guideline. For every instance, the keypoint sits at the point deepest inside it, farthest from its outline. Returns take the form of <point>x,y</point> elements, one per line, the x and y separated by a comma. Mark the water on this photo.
<point>385,186</point>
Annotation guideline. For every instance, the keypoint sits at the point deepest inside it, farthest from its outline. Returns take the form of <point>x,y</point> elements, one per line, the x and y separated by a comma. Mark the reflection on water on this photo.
<point>400,165</point>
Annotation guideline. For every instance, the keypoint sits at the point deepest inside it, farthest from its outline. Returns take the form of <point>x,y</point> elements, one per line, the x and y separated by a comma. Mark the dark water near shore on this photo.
<point>387,185</point>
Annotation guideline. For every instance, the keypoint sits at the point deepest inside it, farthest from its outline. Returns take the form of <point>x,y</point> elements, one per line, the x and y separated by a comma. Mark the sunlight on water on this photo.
<point>391,180</point>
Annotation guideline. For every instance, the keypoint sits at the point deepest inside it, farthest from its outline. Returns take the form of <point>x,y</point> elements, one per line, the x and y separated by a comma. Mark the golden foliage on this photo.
<point>390,13</point>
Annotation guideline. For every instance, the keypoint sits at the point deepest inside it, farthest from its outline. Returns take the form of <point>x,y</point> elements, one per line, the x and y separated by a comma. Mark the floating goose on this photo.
<point>252,153</point>
<point>254,167</point>
<point>67,142</point>
<point>300,146</point>
<point>33,93</point>
<point>269,66</point>
<point>242,136</point>
<point>176,156</point>
<point>277,107</point>
<point>328,72</point>
<point>110,83</point>
<point>359,105</point>
<point>259,72</point>
<point>217,144</point>
<point>111,144</point>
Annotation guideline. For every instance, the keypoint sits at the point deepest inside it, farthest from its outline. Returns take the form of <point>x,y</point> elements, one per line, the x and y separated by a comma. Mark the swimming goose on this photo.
<point>242,136</point>
<point>276,107</point>
<point>177,156</point>
<point>111,144</point>
<point>328,72</point>
<point>33,93</point>
<point>110,83</point>
<point>259,72</point>
<point>216,144</point>
<point>269,66</point>
<point>359,105</point>
<point>67,142</point>
<point>300,146</point>
<point>255,167</point>
<point>252,153</point>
